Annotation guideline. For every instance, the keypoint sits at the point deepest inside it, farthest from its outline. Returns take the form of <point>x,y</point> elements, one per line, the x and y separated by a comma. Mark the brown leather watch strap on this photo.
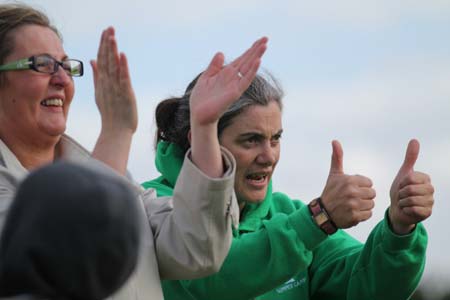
<point>321,217</point>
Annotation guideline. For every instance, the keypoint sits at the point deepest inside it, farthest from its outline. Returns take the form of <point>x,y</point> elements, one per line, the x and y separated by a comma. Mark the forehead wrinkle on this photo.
<point>263,120</point>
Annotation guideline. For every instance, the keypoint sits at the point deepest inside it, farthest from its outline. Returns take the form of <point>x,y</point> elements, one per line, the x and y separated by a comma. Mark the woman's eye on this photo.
<point>251,141</point>
<point>276,137</point>
<point>42,64</point>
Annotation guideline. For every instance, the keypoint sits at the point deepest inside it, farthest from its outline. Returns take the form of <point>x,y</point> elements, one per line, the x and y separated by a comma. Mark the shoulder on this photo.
<point>70,149</point>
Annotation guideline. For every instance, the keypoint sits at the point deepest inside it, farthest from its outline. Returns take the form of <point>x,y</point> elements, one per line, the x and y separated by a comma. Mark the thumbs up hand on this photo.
<point>411,194</point>
<point>348,199</point>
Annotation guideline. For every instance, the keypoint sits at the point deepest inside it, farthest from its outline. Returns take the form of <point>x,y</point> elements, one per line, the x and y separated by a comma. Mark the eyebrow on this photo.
<point>65,56</point>
<point>257,134</point>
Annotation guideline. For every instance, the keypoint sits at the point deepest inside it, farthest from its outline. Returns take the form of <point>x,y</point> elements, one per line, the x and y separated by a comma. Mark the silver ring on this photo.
<point>240,74</point>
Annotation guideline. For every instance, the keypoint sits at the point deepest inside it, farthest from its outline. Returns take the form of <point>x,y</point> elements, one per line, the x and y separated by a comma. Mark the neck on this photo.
<point>31,155</point>
<point>241,206</point>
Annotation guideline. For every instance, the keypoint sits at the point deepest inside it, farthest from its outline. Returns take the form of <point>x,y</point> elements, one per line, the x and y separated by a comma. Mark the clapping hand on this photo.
<point>215,90</point>
<point>219,86</point>
<point>114,94</point>
<point>116,102</point>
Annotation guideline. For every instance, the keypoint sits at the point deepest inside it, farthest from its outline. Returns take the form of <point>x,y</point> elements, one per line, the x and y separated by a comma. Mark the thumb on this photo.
<point>337,158</point>
<point>412,152</point>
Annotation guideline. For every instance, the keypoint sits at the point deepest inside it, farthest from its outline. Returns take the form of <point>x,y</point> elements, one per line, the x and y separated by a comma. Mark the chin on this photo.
<point>55,133</point>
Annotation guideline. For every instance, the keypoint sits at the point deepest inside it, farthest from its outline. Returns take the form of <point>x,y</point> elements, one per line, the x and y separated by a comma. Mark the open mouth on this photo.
<point>52,102</point>
<point>257,177</point>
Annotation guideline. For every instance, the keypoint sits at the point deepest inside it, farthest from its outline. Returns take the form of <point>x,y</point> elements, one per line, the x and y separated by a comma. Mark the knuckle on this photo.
<point>368,215</point>
<point>407,190</point>
<point>350,191</point>
<point>350,179</point>
<point>431,189</point>
<point>353,205</point>
<point>415,210</point>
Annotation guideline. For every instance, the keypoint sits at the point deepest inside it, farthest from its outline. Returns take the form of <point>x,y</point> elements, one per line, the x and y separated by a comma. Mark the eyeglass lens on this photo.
<point>45,64</point>
<point>48,64</point>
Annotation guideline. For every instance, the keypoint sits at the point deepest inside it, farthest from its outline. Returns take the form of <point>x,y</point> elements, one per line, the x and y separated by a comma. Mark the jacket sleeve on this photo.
<point>8,186</point>
<point>258,261</point>
<point>193,228</point>
<point>387,266</point>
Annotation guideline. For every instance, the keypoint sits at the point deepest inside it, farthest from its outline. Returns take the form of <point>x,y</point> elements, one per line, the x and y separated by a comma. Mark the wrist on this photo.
<point>112,130</point>
<point>399,228</point>
<point>321,217</point>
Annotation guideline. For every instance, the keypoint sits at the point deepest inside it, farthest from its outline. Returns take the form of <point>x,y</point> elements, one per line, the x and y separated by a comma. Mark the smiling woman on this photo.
<point>36,90</point>
<point>41,100</point>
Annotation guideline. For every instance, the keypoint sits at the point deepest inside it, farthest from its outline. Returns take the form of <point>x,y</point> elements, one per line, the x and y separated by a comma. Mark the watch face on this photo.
<point>321,218</point>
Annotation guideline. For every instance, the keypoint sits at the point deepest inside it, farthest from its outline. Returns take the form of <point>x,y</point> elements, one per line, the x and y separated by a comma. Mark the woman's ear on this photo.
<point>189,136</point>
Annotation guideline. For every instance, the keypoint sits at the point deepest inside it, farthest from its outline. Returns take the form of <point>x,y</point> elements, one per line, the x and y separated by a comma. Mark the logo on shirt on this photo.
<point>290,284</point>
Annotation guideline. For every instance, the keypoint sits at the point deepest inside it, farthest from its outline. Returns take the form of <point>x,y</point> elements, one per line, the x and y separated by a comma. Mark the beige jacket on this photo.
<point>185,237</point>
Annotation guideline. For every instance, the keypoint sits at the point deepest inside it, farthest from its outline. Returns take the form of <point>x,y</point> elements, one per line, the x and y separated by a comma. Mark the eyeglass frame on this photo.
<point>29,63</point>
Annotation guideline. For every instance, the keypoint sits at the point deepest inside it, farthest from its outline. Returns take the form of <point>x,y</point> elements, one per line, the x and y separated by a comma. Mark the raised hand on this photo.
<point>216,89</point>
<point>116,102</point>
<point>411,194</point>
<point>114,94</point>
<point>219,86</point>
<point>348,199</point>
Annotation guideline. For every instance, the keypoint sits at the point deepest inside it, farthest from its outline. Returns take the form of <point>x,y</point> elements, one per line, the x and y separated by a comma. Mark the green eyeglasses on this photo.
<point>44,63</point>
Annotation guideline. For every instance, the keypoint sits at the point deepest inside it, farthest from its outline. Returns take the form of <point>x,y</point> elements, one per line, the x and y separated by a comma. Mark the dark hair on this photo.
<point>13,16</point>
<point>173,114</point>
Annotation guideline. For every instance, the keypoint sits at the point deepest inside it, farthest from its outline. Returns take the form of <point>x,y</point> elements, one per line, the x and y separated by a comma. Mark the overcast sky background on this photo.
<point>372,74</point>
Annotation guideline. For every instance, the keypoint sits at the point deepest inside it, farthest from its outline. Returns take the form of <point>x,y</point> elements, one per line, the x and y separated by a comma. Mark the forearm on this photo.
<point>193,229</point>
<point>386,267</point>
<point>258,262</point>
<point>205,150</point>
<point>395,268</point>
<point>113,148</point>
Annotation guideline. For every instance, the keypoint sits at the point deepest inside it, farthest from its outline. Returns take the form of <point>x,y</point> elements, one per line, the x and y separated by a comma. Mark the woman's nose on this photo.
<point>267,156</point>
<point>61,78</point>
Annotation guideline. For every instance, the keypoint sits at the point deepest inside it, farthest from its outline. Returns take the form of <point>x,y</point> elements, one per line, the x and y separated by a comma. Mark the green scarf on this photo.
<point>169,160</point>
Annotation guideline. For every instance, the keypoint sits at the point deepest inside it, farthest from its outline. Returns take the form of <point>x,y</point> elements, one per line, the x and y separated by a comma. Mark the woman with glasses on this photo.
<point>184,236</point>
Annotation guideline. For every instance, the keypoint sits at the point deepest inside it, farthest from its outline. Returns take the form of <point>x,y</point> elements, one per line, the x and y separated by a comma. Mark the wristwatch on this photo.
<point>321,217</point>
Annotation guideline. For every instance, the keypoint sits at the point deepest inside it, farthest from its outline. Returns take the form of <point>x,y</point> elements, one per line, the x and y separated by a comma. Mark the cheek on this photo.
<point>70,91</point>
<point>243,161</point>
<point>277,155</point>
<point>34,92</point>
